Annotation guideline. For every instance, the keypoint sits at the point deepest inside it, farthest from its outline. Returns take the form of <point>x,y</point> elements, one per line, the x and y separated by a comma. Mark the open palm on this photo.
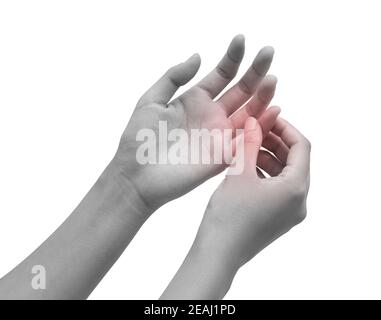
<point>197,108</point>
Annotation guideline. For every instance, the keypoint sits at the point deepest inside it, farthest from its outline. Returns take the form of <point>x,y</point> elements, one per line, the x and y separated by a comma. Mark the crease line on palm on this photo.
<point>250,96</point>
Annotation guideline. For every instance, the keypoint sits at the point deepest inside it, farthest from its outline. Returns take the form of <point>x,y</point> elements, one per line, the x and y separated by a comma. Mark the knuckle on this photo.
<point>172,75</point>
<point>224,73</point>
<point>264,97</point>
<point>169,72</point>
<point>172,70</point>
<point>244,87</point>
<point>297,198</point>
<point>298,193</point>
<point>141,102</point>
<point>301,215</point>
<point>307,144</point>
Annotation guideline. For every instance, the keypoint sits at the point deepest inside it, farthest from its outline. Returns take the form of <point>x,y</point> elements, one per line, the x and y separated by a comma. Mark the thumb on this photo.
<point>252,142</point>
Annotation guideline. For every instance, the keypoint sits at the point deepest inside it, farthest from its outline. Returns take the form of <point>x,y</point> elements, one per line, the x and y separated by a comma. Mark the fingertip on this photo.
<point>276,110</point>
<point>268,119</point>
<point>236,48</point>
<point>250,123</point>
<point>184,72</point>
<point>240,36</point>
<point>268,51</point>
<point>262,61</point>
<point>195,62</point>
<point>194,59</point>
<point>239,39</point>
<point>270,78</point>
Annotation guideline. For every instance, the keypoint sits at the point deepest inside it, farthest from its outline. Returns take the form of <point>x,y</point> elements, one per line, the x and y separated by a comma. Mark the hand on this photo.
<point>195,109</point>
<point>246,213</point>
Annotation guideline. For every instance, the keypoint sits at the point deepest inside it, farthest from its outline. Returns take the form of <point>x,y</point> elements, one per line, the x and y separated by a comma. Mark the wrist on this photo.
<point>204,275</point>
<point>117,197</point>
<point>212,249</point>
<point>211,254</point>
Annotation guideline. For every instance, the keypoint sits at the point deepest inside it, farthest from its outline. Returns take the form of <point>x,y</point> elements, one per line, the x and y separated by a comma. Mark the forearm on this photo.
<point>80,252</point>
<point>206,273</point>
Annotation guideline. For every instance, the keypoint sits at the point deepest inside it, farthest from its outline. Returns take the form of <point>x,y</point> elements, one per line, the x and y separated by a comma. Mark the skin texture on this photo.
<point>243,216</point>
<point>80,252</point>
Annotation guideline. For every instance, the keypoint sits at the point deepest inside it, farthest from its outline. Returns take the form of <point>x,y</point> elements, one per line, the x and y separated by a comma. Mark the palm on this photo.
<point>195,109</point>
<point>201,112</point>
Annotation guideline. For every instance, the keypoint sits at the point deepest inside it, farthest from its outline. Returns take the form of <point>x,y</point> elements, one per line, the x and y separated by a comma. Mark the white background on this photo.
<point>72,71</point>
